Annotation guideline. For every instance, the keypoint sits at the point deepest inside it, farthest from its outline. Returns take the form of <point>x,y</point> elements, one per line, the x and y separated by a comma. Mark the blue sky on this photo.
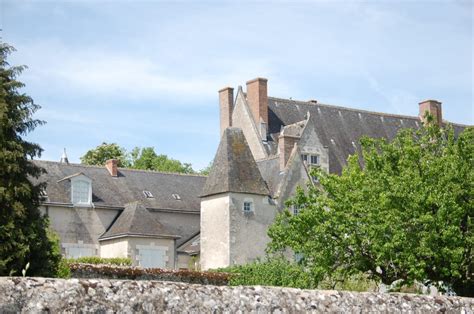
<point>146,73</point>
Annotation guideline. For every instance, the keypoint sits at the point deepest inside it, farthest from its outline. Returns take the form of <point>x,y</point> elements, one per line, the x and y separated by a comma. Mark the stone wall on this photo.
<point>92,295</point>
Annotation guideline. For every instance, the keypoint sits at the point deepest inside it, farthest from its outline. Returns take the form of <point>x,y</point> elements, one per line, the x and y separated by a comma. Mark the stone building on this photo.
<point>182,221</point>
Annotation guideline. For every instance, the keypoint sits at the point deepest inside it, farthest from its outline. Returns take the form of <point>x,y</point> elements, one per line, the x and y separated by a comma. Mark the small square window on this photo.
<point>314,159</point>
<point>247,207</point>
<point>304,157</point>
<point>296,210</point>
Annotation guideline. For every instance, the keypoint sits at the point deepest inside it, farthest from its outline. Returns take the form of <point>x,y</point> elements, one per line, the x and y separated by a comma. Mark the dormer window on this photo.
<point>310,160</point>
<point>81,191</point>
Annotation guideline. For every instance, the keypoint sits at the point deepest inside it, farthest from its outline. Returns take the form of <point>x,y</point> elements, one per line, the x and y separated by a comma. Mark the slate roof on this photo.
<point>136,220</point>
<point>270,170</point>
<point>234,169</point>
<point>339,128</point>
<point>127,187</point>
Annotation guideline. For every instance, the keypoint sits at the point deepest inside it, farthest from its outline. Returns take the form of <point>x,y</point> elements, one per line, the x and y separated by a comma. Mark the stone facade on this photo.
<point>34,295</point>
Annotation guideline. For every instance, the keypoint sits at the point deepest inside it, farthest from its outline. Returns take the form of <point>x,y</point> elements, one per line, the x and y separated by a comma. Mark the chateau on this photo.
<point>191,221</point>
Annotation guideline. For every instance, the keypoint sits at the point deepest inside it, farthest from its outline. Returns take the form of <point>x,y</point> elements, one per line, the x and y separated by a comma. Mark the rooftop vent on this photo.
<point>176,197</point>
<point>314,101</point>
<point>147,194</point>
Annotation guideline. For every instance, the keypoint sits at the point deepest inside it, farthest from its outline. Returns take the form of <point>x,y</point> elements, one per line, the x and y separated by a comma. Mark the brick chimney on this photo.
<point>285,147</point>
<point>111,165</point>
<point>433,107</point>
<point>226,106</point>
<point>257,98</point>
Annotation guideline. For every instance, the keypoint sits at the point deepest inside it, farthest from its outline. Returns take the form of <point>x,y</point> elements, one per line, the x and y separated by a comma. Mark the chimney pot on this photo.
<point>257,98</point>
<point>433,107</point>
<point>226,106</point>
<point>112,165</point>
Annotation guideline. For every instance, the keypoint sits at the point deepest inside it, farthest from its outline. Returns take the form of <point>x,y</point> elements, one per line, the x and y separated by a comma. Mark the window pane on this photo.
<point>247,206</point>
<point>314,160</point>
<point>80,192</point>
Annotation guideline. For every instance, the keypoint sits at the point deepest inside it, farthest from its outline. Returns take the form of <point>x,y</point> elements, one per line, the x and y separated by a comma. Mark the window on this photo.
<point>247,207</point>
<point>309,159</point>
<point>81,192</point>
<point>147,194</point>
<point>296,209</point>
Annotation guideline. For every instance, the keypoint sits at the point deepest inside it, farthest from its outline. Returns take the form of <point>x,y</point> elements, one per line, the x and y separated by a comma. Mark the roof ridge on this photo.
<point>267,158</point>
<point>362,110</point>
<point>346,108</point>
<point>126,169</point>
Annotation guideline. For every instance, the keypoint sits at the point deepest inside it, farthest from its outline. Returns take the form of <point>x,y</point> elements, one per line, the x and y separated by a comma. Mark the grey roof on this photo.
<point>270,170</point>
<point>234,169</point>
<point>339,128</point>
<point>135,220</point>
<point>127,187</point>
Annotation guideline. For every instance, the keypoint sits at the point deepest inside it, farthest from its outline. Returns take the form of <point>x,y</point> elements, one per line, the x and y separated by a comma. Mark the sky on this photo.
<point>147,73</point>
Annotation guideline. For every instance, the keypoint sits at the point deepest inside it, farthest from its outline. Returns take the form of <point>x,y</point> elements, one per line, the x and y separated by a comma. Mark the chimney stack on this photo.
<point>433,107</point>
<point>257,98</point>
<point>226,105</point>
<point>285,147</point>
<point>112,165</point>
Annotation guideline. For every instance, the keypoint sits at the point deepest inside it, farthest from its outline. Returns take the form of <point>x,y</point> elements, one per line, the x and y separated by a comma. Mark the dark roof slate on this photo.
<point>135,220</point>
<point>270,170</point>
<point>234,169</point>
<point>127,187</point>
<point>339,128</point>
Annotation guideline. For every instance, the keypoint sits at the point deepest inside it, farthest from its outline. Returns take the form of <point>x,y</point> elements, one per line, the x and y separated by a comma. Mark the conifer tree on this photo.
<point>23,229</point>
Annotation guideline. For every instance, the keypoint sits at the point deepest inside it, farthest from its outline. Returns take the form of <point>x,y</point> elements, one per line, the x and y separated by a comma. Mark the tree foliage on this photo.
<point>139,158</point>
<point>104,152</point>
<point>400,210</point>
<point>23,229</point>
<point>272,272</point>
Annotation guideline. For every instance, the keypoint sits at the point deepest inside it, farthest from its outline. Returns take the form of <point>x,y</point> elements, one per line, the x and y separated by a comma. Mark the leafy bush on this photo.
<point>79,270</point>
<point>120,261</point>
<point>63,269</point>
<point>272,272</point>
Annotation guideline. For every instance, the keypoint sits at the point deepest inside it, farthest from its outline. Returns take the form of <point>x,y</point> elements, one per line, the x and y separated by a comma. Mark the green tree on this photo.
<point>23,229</point>
<point>139,158</point>
<point>147,159</point>
<point>407,213</point>
<point>205,171</point>
<point>99,155</point>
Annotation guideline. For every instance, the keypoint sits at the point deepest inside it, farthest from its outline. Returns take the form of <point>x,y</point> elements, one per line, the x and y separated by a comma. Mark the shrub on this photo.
<point>137,273</point>
<point>272,272</point>
<point>120,261</point>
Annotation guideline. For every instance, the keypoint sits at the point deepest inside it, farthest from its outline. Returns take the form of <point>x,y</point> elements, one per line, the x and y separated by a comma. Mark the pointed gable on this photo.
<point>136,220</point>
<point>234,168</point>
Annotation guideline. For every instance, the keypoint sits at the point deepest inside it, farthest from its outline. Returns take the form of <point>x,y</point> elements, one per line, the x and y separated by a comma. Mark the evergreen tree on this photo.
<point>23,229</point>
